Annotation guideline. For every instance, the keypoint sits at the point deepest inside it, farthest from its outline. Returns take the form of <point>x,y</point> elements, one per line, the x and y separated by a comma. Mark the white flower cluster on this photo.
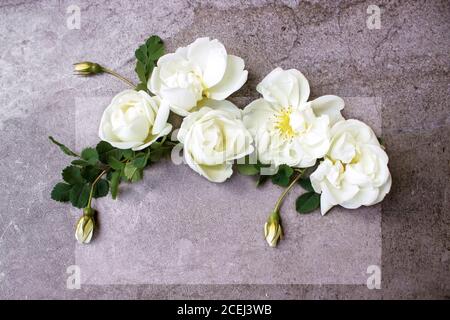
<point>282,127</point>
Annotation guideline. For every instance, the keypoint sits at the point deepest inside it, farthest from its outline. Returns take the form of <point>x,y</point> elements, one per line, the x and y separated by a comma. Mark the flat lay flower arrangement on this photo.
<point>282,137</point>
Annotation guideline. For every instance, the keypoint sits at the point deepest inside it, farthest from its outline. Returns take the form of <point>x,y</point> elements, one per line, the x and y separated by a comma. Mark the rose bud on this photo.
<point>87,68</point>
<point>272,229</point>
<point>85,226</point>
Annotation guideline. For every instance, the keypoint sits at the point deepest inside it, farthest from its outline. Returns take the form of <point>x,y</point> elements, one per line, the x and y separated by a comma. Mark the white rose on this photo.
<point>287,129</point>
<point>354,172</point>
<point>213,138</point>
<point>133,120</point>
<point>201,70</point>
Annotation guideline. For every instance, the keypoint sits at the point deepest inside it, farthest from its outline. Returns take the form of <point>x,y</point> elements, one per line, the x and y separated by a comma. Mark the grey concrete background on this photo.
<point>405,63</point>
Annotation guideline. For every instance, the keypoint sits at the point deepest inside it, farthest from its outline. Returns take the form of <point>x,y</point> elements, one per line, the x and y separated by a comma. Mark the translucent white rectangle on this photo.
<point>175,227</point>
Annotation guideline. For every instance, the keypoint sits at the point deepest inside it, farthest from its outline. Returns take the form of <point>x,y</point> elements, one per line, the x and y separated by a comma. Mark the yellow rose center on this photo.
<point>283,123</point>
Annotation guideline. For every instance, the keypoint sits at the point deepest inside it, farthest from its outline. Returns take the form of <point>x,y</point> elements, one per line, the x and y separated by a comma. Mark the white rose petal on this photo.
<point>213,137</point>
<point>233,79</point>
<point>134,120</point>
<point>329,105</point>
<point>201,70</point>
<point>354,172</point>
<point>283,124</point>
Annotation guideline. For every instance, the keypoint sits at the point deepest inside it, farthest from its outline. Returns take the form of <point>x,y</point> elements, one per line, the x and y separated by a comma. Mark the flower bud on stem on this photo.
<point>85,226</point>
<point>273,232</point>
<point>87,68</point>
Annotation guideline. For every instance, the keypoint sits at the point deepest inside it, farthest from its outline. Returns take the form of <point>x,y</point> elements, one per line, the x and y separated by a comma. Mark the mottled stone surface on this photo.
<point>404,65</point>
<point>196,232</point>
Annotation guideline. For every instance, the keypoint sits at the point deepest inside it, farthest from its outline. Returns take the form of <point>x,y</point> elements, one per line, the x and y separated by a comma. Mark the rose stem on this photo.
<point>93,186</point>
<point>288,188</point>
<point>115,74</point>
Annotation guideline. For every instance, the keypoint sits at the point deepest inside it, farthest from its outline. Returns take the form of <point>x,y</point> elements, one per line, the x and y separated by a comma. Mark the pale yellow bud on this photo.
<point>272,229</point>
<point>87,68</point>
<point>85,227</point>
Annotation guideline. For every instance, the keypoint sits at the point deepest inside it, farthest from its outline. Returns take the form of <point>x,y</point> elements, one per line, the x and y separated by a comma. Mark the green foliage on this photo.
<point>90,173</point>
<point>90,155</point>
<point>61,192</point>
<point>63,148</point>
<point>283,176</point>
<point>114,183</point>
<point>307,202</point>
<point>72,175</point>
<point>79,195</point>
<point>262,179</point>
<point>84,175</point>
<point>140,160</point>
<point>101,188</point>
<point>115,164</point>
<point>104,150</point>
<point>132,173</point>
<point>253,169</point>
<point>147,55</point>
<point>128,154</point>
<point>305,183</point>
<point>248,169</point>
<point>160,149</point>
<point>81,163</point>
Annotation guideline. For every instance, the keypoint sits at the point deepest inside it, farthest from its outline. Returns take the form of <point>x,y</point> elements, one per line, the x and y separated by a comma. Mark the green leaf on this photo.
<point>101,188</point>
<point>90,173</point>
<point>79,195</point>
<point>115,164</point>
<point>140,161</point>
<point>127,154</point>
<point>305,183</point>
<point>115,180</point>
<point>307,202</point>
<point>156,145</point>
<point>115,153</point>
<point>90,155</point>
<point>141,86</point>
<point>157,154</point>
<point>132,173</point>
<point>247,169</point>
<point>140,70</point>
<point>147,55</point>
<point>61,192</point>
<point>261,180</point>
<point>159,149</point>
<point>103,147</point>
<point>105,150</point>
<point>155,47</point>
<point>141,53</point>
<point>81,163</point>
<point>72,175</point>
<point>64,149</point>
<point>282,177</point>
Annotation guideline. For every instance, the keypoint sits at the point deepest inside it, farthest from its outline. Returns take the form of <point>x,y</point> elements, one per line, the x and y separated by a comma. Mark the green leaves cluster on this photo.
<point>96,171</point>
<point>82,179</point>
<point>147,55</point>
<point>249,169</point>
<point>309,201</point>
<point>285,175</point>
